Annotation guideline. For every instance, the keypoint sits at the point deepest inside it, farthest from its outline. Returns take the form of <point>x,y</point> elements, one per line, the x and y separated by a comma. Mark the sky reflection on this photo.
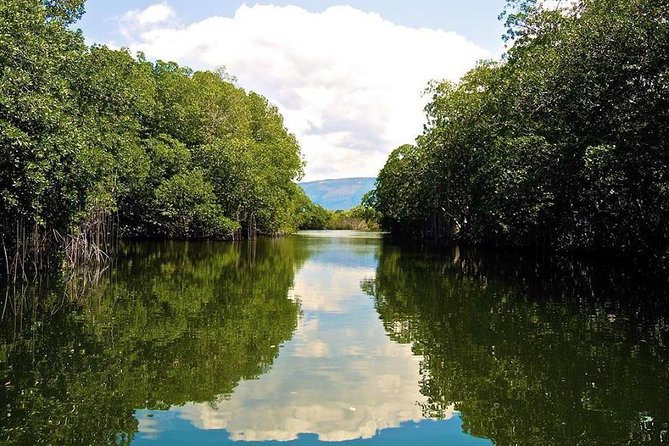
<point>340,378</point>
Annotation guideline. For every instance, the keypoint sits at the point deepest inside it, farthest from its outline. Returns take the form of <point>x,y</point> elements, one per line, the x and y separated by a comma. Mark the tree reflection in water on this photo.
<point>173,322</point>
<point>550,352</point>
<point>530,352</point>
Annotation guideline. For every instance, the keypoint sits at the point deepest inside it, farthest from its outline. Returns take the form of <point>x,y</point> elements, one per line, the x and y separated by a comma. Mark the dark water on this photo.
<point>336,337</point>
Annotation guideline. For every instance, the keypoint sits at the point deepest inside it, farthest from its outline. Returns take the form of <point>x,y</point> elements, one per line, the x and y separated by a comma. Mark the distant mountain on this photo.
<point>343,193</point>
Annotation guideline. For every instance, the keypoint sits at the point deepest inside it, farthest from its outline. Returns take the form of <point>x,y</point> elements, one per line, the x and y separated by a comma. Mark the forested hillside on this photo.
<point>562,144</point>
<point>338,194</point>
<point>96,143</point>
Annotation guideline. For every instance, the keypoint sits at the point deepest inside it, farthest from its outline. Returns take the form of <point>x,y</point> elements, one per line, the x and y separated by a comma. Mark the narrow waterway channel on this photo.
<point>336,337</point>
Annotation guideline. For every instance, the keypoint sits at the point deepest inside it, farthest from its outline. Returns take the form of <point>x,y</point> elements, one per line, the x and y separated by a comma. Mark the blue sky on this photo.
<point>348,77</point>
<point>473,19</point>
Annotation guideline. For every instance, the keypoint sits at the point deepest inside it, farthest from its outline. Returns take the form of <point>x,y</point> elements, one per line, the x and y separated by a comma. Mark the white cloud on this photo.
<point>136,22</point>
<point>347,82</point>
<point>332,290</point>
<point>148,427</point>
<point>157,13</point>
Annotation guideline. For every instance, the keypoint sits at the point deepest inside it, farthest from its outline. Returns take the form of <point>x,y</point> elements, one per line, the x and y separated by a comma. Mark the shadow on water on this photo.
<point>550,352</point>
<point>170,323</point>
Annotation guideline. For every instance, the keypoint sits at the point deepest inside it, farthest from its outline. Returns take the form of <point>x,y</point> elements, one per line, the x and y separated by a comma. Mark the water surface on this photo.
<point>336,337</point>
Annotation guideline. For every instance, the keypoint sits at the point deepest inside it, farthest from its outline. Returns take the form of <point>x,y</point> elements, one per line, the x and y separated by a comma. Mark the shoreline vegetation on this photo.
<point>360,218</point>
<point>561,145</point>
<point>97,145</point>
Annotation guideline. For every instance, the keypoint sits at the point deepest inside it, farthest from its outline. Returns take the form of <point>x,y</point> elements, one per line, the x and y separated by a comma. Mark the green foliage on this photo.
<point>39,137</point>
<point>562,145</point>
<point>399,196</point>
<point>67,11</point>
<point>311,215</point>
<point>361,218</point>
<point>187,208</point>
<point>167,151</point>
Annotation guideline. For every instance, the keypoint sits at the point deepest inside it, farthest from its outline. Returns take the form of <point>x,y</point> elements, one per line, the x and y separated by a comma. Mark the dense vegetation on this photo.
<point>360,218</point>
<point>562,144</point>
<point>93,139</point>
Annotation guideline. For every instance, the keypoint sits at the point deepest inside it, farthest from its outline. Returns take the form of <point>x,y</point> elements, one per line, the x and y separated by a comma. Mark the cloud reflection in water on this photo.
<point>340,377</point>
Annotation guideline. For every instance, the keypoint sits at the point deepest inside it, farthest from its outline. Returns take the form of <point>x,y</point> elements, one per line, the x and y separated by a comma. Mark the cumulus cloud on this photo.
<point>332,289</point>
<point>148,427</point>
<point>140,21</point>
<point>153,14</point>
<point>348,82</point>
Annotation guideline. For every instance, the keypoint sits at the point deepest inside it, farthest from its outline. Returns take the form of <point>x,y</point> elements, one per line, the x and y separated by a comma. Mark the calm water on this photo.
<point>336,337</point>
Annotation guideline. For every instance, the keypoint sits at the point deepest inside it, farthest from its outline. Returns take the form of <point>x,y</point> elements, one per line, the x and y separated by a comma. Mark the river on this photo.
<point>336,336</point>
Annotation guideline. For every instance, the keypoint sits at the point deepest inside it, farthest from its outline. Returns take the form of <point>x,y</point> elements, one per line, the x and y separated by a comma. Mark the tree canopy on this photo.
<point>562,144</point>
<point>153,148</point>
